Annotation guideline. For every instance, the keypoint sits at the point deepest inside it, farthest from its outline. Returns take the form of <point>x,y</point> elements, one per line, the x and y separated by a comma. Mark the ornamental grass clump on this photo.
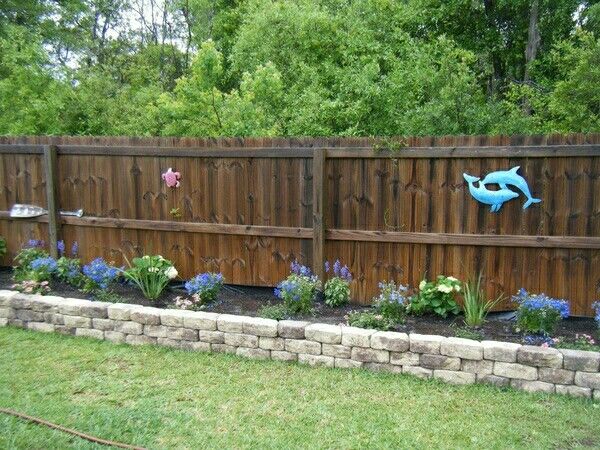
<point>437,297</point>
<point>476,306</point>
<point>299,289</point>
<point>203,289</point>
<point>151,274</point>
<point>99,275</point>
<point>538,313</point>
<point>337,288</point>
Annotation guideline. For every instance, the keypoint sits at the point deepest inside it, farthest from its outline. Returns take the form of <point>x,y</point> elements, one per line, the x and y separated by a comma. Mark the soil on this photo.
<point>248,300</point>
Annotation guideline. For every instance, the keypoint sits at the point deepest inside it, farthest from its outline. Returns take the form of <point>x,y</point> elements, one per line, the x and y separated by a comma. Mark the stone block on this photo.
<point>580,360</point>
<point>382,367</point>
<point>64,330</point>
<point>3,322</point>
<point>182,334</point>
<point>316,360</point>
<point>114,336</point>
<point>454,376</point>
<point>41,326</point>
<point>146,316</point>
<point>54,318</point>
<point>5,297</point>
<point>324,333</point>
<point>142,339</point>
<point>416,371</point>
<point>344,363</point>
<point>121,311</point>
<point>532,386</point>
<point>390,340</point>
<point>405,358</point>
<point>103,324</point>
<point>253,353</point>
<point>71,306</point>
<point>588,380</point>
<point>539,356</point>
<point>493,380</point>
<point>356,337</point>
<point>128,327</point>
<point>195,346</point>
<point>279,355</point>
<point>462,348</point>
<point>271,343</point>
<point>199,320</point>
<point>241,340</point>
<point>89,332</point>
<point>336,350</point>
<point>515,370</point>
<point>370,355</point>
<point>214,337</point>
<point>574,391</point>
<point>7,313</point>
<point>440,362</point>
<point>424,343</point>
<point>173,317</point>
<point>556,376</point>
<point>157,331</point>
<point>482,367</point>
<point>500,351</point>
<point>168,342</point>
<point>222,348</point>
<point>291,329</point>
<point>29,315</point>
<point>302,346</point>
<point>77,322</point>
<point>95,310</point>
<point>260,327</point>
<point>230,323</point>
<point>45,303</point>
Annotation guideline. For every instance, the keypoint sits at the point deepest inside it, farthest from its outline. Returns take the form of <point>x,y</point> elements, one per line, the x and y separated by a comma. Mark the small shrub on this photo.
<point>436,297</point>
<point>538,313</point>
<point>466,332</point>
<point>32,287</point>
<point>109,296</point>
<point>2,246</point>
<point>33,250</point>
<point>151,274</point>
<point>369,320</point>
<point>476,306</point>
<point>276,312</point>
<point>98,275</point>
<point>581,342</point>
<point>298,290</point>
<point>337,288</point>
<point>391,302</point>
<point>42,269</point>
<point>69,271</point>
<point>204,287</point>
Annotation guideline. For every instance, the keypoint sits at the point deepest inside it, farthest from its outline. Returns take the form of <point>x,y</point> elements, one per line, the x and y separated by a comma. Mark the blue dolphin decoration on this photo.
<point>483,195</point>
<point>510,177</point>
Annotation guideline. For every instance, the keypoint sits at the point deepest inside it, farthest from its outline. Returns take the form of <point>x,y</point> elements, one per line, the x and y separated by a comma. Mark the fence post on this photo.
<point>319,198</point>
<point>51,173</point>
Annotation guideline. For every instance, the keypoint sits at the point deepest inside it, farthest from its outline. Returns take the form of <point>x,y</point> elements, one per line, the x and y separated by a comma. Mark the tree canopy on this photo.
<point>299,67</point>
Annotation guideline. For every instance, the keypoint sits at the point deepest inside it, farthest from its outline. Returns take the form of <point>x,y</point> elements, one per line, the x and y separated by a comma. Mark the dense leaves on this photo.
<point>299,67</point>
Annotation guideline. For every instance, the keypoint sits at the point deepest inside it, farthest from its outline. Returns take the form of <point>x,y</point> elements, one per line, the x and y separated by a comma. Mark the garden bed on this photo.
<point>247,301</point>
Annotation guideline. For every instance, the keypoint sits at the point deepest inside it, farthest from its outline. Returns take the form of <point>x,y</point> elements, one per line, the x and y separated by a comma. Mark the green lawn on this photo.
<point>164,398</point>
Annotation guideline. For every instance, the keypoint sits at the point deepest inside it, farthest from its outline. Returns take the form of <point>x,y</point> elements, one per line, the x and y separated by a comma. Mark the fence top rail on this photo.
<point>497,151</point>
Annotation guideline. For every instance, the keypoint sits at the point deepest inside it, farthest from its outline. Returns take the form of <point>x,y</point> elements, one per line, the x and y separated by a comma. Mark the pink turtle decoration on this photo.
<point>171,178</point>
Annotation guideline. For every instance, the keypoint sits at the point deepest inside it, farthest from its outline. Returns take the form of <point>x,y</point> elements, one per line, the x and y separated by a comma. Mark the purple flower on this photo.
<point>60,245</point>
<point>34,243</point>
<point>75,249</point>
<point>337,267</point>
<point>327,266</point>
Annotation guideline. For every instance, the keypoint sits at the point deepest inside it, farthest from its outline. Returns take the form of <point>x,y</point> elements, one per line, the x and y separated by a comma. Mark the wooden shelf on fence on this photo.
<point>566,242</point>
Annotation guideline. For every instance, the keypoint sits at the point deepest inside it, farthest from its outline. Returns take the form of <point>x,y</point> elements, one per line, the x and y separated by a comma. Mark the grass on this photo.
<point>165,398</point>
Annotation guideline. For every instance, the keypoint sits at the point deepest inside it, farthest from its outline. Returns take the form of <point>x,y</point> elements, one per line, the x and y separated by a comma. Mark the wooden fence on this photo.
<point>248,207</point>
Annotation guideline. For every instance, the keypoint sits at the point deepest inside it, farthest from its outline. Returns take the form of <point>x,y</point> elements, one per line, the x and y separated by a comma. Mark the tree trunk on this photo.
<point>533,44</point>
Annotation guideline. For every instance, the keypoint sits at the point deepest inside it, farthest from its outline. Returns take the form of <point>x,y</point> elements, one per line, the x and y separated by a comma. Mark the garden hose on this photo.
<point>69,430</point>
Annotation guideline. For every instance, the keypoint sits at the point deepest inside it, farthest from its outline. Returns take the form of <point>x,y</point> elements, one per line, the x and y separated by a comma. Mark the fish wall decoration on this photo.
<point>496,198</point>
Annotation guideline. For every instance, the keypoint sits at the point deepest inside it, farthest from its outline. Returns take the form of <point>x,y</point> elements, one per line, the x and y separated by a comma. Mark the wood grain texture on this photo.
<point>246,207</point>
<point>51,177</point>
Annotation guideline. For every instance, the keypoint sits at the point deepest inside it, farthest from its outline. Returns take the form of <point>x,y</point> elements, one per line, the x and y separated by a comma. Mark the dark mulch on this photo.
<point>247,300</point>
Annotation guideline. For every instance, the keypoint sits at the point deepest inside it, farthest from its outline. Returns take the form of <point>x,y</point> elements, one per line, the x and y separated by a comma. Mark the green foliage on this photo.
<point>437,297</point>
<point>391,302</point>
<point>581,342</point>
<point>476,306</point>
<point>69,271</point>
<point>337,292</point>
<point>151,274</point>
<point>107,295</point>
<point>537,320</point>
<point>467,332</point>
<point>276,312</point>
<point>23,260</point>
<point>365,319</point>
<point>2,246</point>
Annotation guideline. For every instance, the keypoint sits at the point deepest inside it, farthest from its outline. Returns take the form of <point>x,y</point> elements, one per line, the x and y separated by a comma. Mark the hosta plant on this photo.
<point>337,288</point>
<point>437,297</point>
<point>151,274</point>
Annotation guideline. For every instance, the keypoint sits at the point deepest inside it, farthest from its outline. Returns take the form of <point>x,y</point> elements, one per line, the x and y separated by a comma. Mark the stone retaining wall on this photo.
<point>454,360</point>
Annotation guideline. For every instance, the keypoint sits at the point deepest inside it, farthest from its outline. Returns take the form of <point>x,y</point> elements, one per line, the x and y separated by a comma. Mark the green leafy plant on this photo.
<point>538,313</point>
<point>466,332</point>
<point>69,271</point>
<point>106,295</point>
<point>2,246</point>
<point>276,312</point>
<point>299,289</point>
<point>151,274</point>
<point>366,319</point>
<point>391,302</point>
<point>23,260</point>
<point>436,297</point>
<point>581,342</point>
<point>476,306</point>
<point>337,288</point>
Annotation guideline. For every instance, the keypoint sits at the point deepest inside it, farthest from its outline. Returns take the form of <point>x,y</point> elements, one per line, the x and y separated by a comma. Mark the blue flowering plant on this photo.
<point>42,268</point>
<point>99,275</point>
<point>437,297</point>
<point>337,288</point>
<point>538,313</point>
<point>202,289</point>
<point>32,250</point>
<point>596,306</point>
<point>151,274</point>
<point>69,267</point>
<point>299,289</point>
<point>392,301</point>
